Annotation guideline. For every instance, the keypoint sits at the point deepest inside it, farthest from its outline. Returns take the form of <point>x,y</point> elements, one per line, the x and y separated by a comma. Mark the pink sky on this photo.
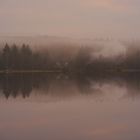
<point>74,18</point>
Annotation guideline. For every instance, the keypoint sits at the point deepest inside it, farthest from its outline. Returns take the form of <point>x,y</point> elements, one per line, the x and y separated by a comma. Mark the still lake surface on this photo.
<point>60,107</point>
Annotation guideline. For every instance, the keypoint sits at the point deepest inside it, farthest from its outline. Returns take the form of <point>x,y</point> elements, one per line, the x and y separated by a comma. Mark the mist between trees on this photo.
<point>23,58</point>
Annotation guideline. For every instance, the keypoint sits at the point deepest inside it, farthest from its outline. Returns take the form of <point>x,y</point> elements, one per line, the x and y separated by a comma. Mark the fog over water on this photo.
<point>91,91</point>
<point>69,70</point>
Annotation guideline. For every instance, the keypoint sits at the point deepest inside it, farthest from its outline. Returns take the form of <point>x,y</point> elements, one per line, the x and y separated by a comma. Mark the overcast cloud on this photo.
<point>78,18</point>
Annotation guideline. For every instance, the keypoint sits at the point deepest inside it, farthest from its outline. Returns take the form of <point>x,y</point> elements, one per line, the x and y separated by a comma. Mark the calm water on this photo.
<point>62,107</point>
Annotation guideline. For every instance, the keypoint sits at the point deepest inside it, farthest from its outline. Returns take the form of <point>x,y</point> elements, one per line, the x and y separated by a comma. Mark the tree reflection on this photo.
<point>14,85</point>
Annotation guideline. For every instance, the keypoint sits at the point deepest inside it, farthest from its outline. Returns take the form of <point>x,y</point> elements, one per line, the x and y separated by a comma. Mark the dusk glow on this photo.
<point>69,69</point>
<point>72,18</point>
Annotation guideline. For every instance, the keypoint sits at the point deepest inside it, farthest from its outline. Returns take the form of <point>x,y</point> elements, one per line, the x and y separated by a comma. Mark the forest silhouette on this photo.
<point>24,59</point>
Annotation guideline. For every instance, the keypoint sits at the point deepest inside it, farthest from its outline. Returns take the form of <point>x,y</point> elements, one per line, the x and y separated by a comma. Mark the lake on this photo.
<point>67,107</point>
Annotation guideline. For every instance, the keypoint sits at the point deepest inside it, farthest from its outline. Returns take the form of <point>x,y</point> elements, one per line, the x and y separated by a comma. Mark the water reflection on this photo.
<point>67,85</point>
<point>70,106</point>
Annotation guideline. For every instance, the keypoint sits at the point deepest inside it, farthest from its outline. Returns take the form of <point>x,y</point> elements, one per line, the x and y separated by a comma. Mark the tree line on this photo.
<point>23,58</point>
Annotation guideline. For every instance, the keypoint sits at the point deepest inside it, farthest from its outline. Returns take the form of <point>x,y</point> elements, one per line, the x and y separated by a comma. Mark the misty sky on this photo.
<point>78,18</point>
